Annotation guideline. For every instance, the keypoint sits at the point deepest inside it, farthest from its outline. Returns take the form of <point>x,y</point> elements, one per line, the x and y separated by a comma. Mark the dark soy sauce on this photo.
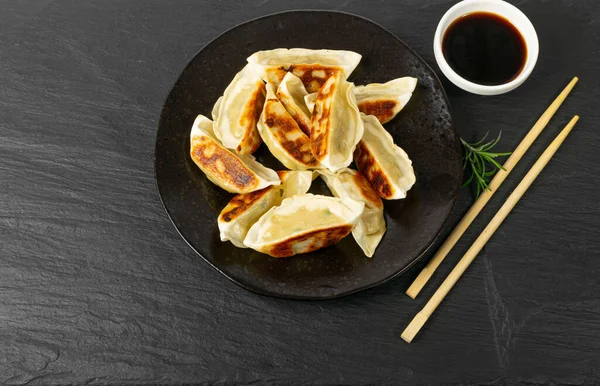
<point>484,48</point>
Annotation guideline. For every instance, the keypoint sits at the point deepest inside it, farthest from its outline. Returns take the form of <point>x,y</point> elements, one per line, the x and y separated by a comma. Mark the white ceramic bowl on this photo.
<point>509,12</point>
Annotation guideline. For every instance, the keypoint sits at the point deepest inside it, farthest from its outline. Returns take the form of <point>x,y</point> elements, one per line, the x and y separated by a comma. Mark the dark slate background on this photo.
<point>96,285</point>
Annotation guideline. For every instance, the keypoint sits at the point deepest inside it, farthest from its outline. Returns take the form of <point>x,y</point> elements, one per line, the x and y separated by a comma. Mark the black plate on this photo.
<point>424,129</point>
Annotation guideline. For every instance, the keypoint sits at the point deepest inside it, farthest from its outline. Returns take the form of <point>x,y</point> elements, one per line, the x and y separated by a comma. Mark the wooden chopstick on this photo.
<point>420,319</point>
<point>500,176</point>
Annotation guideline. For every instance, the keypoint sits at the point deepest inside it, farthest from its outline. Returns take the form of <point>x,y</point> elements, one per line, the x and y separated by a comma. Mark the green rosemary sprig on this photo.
<point>478,156</point>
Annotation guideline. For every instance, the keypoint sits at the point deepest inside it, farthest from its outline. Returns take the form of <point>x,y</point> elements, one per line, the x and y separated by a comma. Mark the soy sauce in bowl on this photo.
<point>484,48</point>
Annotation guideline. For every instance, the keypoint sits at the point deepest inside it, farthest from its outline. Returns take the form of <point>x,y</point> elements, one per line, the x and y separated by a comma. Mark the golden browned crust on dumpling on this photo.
<point>368,166</point>
<point>313,76</point>
<point>382,109</point>
<point>301,119</point>
<point>252,110</point>
<point>366,190</point>
<point>303,124</point>
<point>314,240</point>
<point>288,134</point>
<point>321,120</point>
<point>222,165</point>
<point>274,75</point>
<point>241,202</point>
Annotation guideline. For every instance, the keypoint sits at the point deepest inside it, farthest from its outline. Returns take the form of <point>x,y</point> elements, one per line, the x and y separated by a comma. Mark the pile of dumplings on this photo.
<point>299,103</point>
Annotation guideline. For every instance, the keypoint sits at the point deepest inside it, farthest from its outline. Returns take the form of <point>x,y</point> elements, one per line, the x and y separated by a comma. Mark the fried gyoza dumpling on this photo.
<point>385,165</point>
<point>371,225</point>
<point>237,111</point>
<point>245,209</point>
<point>232,172</point>
<point>282,135</point>
<point>313,67</point>
<point>291,93</point>
<point>336,126</point>
<point>385,100</point>
<point>302,224</point>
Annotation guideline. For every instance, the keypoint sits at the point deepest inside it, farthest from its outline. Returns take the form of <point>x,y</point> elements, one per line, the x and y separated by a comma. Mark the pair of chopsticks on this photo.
<point>419,320</point>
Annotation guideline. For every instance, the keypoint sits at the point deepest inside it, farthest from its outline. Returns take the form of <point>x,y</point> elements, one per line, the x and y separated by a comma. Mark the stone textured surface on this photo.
<point>97,286</point>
